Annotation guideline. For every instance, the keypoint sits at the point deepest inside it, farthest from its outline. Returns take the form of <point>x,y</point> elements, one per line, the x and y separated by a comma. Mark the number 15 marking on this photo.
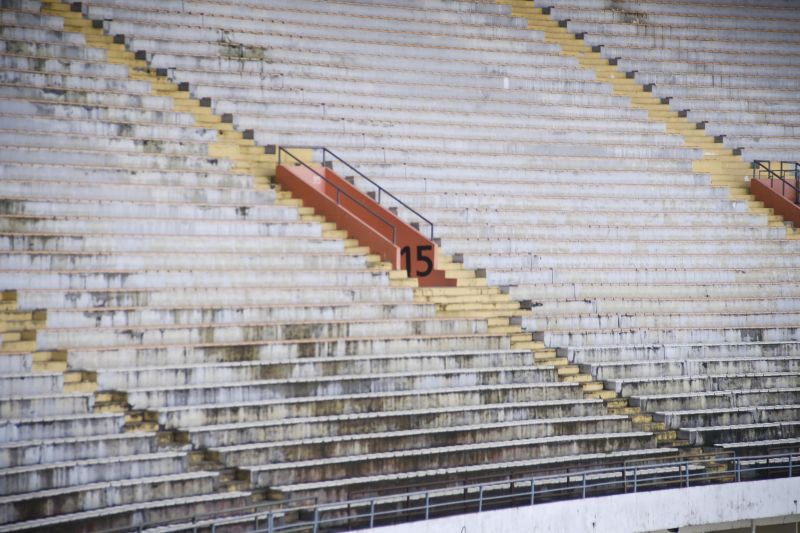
<point>405,253</point>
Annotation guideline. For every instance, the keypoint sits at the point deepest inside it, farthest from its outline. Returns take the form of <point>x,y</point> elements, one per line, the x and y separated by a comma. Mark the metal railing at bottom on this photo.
<point>634,477</point>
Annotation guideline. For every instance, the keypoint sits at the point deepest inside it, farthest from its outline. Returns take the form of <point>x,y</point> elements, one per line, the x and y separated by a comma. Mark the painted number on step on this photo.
<point>405,254</point>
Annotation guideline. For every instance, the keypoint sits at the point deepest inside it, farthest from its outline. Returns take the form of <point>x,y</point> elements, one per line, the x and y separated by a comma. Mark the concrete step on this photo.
<point>700,418</point>
<point>568,231</point>
<point>89,497</point>
<point>645,386</point>
<point>352,424</point>
<point>673,246</point>
<point>56,475</point>
<point>51,49</point>
<point>363,403</point>
<point>112,191</point>
<point>210,296</point>
<point>151,315</point>
<point>713,435</point>
<point>151,226</point>
<point>134,242</point>
<point>553,214</point>
<point>144,209</point>
<point>122,378</point>
<point>767,446</point>
<point>626,295</point>
<point>73,81</point>
<point>570,159</point>
<point>337,490</point>
<point>573,122</point>
<point>282,349</point>
<point>40,383</point>
<point>650,369</point>
<point>334,448</point>
<point>460,24</point>
<point>150,136</point>
<point>717,399</point>
<point>75,425</point>
<point>87,105</point>
<point>525,187</point>
<point>758,314</point>
<point>30,404</point>
<point>125,516</point>
<point>148,398</point>
<point>646,274</point>
<point>74,66</point>
<point>141,279</point>
<point>39,452</point>
<point>703,333</point>
<point>442,457</point>
<point>455,140</point>
<point>154,261</point>
<point>590,355</point>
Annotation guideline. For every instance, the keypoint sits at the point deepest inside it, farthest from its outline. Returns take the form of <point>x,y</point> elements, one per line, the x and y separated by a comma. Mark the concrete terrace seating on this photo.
<point>533,171</point>
<point>733,64</point>
<point>250,333</point>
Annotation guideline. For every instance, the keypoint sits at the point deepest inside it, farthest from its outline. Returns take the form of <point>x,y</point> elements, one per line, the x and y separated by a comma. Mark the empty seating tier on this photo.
<point>180,337</point>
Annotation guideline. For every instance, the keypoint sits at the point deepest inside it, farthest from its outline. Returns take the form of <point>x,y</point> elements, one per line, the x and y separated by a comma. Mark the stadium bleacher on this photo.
<point>181,336</point>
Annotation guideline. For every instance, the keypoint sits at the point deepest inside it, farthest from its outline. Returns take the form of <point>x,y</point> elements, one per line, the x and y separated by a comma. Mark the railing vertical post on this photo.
<point>372,514</point>
<point>687,474</point>
<point>533,490</point>
<point>635,479</point>
<point>427,505</point>
<point>316,519</point>
<point>270,523</point>
<point>738,469</point>
<point>790,465</point>
<point>480,500</point>
<point>583,495</point>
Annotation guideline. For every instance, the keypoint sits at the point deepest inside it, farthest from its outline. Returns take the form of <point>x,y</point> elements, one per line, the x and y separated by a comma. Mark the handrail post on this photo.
<point>635,479</point>
<point>316,519</point>
<point>790,465</point>
<point>532,490</point>
<point>738,469</point>
<point>584,486</point>
<point>427,505</point>
<point>270,523</point>
<point>480,500</point>
<point>687,474</point>
<point>372,514</point>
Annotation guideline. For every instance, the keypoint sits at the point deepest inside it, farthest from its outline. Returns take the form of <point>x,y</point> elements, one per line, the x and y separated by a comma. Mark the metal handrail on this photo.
<point>326,151</point>
<point>256,509</point>
<point>423,504</point>
<point>419,504</point>
<point>759,167</point>
<point>339,191</point>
